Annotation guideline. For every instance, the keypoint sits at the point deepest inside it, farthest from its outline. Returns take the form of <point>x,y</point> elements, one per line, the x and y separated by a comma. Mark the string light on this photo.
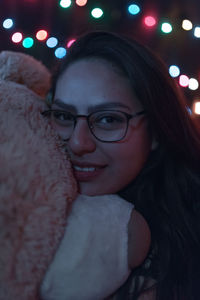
<point>28,42</point>
<point>81,2</point>
<point>166,27</point>
<point>52,42</point>
<point>41,35</point>
<point>193,84</point>
<point>65,3</point>
<point>197,107</point>
<point>197,32</point>
<point>174,71</point>
<point>133,9</point>
<point>187,25</point>
<point>97,13</point>
<point>150,21</point>
<point>60,52</point>
<point>8,23</point>
<point>183,80</point>
<point>70,43</point>
<point>17,37</point>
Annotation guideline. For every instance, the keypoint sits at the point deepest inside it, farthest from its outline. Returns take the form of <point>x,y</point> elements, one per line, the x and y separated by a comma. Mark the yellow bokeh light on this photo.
<point>197,107</point>
<point>187,24</point>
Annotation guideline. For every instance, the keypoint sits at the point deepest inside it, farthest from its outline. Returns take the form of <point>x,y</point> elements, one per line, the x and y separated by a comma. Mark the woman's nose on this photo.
<point>81,141</point>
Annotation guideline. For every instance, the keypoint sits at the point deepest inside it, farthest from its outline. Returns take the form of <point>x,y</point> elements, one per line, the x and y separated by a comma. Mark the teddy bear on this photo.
<point>55,244</point>
<point>36,181</point>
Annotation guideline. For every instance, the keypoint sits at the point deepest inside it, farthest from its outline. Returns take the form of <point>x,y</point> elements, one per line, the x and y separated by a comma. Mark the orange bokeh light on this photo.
<point>41,35</point>
<point>81,2</point>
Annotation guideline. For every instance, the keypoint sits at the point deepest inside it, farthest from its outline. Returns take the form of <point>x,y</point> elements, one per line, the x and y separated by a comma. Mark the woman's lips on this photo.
<point>86,171</point>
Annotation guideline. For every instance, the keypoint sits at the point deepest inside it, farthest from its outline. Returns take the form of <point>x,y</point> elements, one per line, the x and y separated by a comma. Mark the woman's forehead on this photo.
<point>94,83</point>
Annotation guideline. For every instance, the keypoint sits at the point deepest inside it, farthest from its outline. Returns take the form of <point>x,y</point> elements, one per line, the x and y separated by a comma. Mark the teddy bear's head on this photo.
<point>36,180</point>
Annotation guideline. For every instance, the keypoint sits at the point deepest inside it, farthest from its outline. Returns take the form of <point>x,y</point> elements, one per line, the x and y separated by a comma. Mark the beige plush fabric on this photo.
<point>24,69</point>
<point>36,181</point>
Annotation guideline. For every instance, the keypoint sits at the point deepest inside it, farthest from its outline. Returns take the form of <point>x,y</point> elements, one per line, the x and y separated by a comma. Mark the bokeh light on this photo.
<point>197,32</point>
<point>97,13</point>
<point>193,84</point>
<point>150,21</point>
<point>60,52</point>
<point>174,71</point>
<point>166,27</point>
<point>8,23</point>
<point>189,110</point>
<point>41,35</point>
<point>197,107</point>
<point>52,42</point>
<point>65,3</point>
<point>70,42</point>
<point>133,9</point>
<point>17,37</point>
<point>28,42</point>
<point>81,2</point>
<point>183,80</point>
<point>187,25</point>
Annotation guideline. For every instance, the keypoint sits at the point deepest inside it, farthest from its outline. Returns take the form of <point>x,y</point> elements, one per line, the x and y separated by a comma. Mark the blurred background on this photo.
<point>47,28</point>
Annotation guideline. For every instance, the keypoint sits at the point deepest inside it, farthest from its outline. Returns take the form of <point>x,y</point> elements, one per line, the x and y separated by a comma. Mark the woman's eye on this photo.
<point>62,116</point>
<point>109,119</point>
<point>59,116</point>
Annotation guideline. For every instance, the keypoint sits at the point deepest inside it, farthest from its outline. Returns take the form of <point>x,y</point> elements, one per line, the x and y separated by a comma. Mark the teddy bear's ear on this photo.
<point>24,69</point>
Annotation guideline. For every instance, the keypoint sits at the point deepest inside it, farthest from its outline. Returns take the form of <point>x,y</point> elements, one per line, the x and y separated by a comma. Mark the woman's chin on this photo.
<point>92,190</point>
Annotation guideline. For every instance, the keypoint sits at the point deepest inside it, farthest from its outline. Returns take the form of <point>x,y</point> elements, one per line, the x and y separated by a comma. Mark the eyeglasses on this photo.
<point>105,125</point>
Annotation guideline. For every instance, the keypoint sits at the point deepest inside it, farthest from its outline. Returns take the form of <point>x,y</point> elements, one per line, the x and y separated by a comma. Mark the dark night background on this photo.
<point>180,47</point>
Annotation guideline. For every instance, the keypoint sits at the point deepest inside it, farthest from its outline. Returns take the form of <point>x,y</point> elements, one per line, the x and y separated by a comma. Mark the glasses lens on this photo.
<point>108,126</point>
<point>63,122</point>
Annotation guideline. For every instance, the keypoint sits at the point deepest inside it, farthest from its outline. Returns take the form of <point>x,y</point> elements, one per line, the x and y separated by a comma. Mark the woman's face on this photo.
<point>101,168</point>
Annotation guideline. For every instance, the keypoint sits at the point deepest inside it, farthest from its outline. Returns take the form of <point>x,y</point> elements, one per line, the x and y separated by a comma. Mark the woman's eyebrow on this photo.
<point>109,105</point>
<point>92,108</point>
<point>64,106</point>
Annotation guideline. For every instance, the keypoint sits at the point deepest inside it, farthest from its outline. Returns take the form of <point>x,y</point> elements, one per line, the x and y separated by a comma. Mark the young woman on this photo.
<point>128,131</point>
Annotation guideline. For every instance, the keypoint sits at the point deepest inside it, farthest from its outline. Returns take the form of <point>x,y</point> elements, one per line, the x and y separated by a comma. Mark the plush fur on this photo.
<point>36,180</point>
<point>24,69</point>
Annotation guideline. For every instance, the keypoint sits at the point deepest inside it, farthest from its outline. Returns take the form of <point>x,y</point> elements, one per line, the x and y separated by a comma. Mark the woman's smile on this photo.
<point>85,171</point>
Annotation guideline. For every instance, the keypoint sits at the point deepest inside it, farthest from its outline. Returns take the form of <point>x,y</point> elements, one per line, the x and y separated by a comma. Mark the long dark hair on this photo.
<point>167,191</point>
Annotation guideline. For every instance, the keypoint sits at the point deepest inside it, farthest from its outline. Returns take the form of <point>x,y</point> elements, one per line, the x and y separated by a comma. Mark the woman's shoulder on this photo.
<point>139,239</point>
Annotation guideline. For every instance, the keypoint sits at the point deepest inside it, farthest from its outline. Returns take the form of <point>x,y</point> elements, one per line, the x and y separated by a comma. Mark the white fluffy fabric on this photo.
<point>92,260</point>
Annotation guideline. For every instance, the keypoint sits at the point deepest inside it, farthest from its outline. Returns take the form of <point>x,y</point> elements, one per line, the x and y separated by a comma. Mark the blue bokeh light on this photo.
<point>8,23</point>
<point>52,42</point>
<point>60,52</point>
<point>174,71</point>
<point>133,9</point>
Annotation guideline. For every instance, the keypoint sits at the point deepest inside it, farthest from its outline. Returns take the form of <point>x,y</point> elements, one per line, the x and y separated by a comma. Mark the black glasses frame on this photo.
<point>46,113</point>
